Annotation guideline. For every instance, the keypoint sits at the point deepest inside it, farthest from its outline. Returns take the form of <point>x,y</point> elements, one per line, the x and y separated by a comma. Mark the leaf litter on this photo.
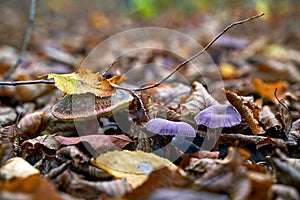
<point>257,157</point>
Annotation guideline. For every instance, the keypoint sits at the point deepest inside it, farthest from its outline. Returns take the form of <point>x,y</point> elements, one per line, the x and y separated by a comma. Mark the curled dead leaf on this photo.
<point>244,111</point>
<point>30,124</point>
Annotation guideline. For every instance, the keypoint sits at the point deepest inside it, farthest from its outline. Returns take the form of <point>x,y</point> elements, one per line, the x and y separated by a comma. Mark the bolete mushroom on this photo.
<point>215,118</point>
<point>79,106</point>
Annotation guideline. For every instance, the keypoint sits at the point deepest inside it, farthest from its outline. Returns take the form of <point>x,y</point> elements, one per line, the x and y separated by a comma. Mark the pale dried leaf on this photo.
<point>17,168</point>
<point>198,101</point>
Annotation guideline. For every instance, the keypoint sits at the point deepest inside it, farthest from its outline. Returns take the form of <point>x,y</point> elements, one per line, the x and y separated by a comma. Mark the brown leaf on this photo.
<point>47,141</point>
<point>159,179</point>
<point>280,191</point>
<point>244,140</point>
<point>9,141</point>
<point>244,111</point>
<point>285,116</point>
<point>34,187</point>
<point>74,185</point>
<point>7,115</point>
<point>30,124</point>
<point>284,172</point>
<point>268,118</point>
<point>100,143</point>
<point>229,176</point>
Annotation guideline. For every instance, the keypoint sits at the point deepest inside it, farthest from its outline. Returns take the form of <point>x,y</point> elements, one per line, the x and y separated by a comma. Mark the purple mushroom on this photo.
<point>166,127</point>
<point>215,118</point>
<point>218,116</point>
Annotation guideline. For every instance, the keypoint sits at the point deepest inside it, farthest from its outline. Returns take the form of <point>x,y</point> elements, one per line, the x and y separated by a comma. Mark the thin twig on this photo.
<point>25,43</point>
<point>14,83</point>
<point>108,68</point>
<point>191,58</point>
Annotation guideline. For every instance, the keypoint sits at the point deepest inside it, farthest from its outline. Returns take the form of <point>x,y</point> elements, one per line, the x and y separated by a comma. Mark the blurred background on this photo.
<point>85,23</point>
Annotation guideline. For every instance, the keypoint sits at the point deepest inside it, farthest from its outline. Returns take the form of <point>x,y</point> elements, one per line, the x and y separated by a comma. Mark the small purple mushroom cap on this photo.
<point>218,116</point>
<point>166,127</point>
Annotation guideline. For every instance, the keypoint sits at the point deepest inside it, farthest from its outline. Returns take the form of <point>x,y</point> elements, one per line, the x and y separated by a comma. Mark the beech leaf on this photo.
<point>83,81</point>
<point>131,165</point>
<point>100,143</point>
<point>198,101</point>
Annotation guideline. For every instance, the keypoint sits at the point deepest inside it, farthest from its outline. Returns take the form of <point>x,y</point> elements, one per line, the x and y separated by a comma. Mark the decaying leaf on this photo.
<point>244,111</point>
<point>295,130</point>
<point>201,165</point>
<point>134,166</point>
<point>267,89</point>
<point>230,176</point>
<point>285,116</point>
<point>17,168</point>
<point>198,100</point>
<point>283,171</point>
<point>71,152</point>
<point>32,187</point>
<point>74,185</point>
<point>100,143</point>
<point>258,141</point>
<point>9,142</point>
<point>268,118</point>
<point>30,124</point>
<point>47,141</point>
<point>163,178</point>
<point>7,115</point>
<point>281,191</point>
<point>83,81</point>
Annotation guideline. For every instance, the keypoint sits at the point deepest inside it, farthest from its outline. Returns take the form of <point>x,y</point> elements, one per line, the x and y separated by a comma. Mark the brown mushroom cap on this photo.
<point>79,106</point>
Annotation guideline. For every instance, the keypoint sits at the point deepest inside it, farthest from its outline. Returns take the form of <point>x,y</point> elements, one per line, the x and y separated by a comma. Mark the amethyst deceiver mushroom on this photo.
<point>218,116</point>
<point>215,118</point>
<point>80,106</point>
<point>165,127</point>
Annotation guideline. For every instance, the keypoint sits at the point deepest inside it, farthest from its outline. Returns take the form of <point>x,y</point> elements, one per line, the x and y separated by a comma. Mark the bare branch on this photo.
<point>191,58</point>
<point>14,83</point>
<point>25,43</point>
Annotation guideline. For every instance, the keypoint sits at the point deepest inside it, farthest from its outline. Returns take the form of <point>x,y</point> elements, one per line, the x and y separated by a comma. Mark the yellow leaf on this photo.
<point>83,81</point>
<point>134,166</point>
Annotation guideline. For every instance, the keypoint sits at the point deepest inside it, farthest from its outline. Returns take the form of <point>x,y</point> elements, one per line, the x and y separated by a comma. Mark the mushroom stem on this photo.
<point>211,138</point>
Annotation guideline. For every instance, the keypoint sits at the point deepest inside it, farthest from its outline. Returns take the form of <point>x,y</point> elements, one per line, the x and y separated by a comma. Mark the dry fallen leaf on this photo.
<point>83,81</point>
<point>198,101</point>
<point>100,143</point>
<point>33,187</point>
<point>17,168</point>
<point>159,179</point>
<point>30,124</point>
<point>134,166</point>
<point>244,111</point>
<point>267,89</point>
